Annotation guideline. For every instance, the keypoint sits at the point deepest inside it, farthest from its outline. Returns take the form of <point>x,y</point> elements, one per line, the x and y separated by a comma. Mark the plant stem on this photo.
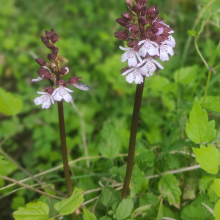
<point>131,151</point>
<point>64,152</point>
<point>206,88</point>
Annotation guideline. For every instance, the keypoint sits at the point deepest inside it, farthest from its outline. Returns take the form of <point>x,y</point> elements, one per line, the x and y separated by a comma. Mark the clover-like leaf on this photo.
<point>68,206</point>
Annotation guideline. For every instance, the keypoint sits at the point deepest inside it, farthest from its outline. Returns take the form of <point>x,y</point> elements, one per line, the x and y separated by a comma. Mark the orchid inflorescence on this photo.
<point>148,38</point>
<point>54,72</point>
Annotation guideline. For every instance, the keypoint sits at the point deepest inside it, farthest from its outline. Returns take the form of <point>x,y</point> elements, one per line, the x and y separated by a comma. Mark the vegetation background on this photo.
<point>86,30</point>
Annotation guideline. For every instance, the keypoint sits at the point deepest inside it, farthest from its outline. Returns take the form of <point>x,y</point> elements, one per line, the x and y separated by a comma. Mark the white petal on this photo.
<point>171,32</point>
<point>82,86</point>
<point>124,48</point>
<point>46,104</point>
<point>69,90</point>
<point>164,56</point>
<point>139,79</point>
<point>141,42</point>
<point>67,97</point>
<point>127,71</point>
<point>132,61</point>
<point>142,51</point>
<point>38,79</point>
<point>52,100</point>
<point>124,57</point>
<point>143,70</point>
<point>158,64</point>
<point>57,97</point>
<point>153,51</point>
<point>55,91</point>
<point>154,43</point>
<point>130,78</point>
<point>42,93</point>
<point>38,101</point>
<point>170,50</point>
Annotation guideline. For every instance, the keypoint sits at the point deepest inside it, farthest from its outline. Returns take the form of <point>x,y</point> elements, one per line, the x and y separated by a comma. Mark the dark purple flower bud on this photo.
<point>125,69</point>
<point>137,47</point>
<point>142,20</point>
<point>154,14</point>
<point>132,28</point>
<point>126,15</point>
<point>136,8</point>
<point>74,80</point>
<point>131,37</point>
<point>44,39</point>
<point>51,56</point>
<point>158,39</point>
<point>142,2</point>
<point>40,61</point>
<point>55,50</point>
<point>132,43</point>
<point>64,70</point>
<point>49,45</point>
<point>52,31</point>
<point>122,21</point>
<point>129,2</point>
<point>48,89</point>
<point>151,8</point>
<point>61,82</point>
<point>121,35</point>
<point>144,11</point>
<point>54,38</point>
<point>44,73</point>
<point>48,35</point>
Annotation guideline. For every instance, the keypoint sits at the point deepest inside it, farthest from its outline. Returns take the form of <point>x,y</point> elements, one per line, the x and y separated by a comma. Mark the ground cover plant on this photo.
<point>172,121</point>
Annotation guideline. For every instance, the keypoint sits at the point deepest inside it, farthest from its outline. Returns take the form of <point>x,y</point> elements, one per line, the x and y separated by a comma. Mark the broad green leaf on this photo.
<point>106,195</point>
<point>217,210</point>
<point>208,158</point>
<point>110,143</point>
<point>124,209</point>
<point>160,211</point>
<point>87,215</point>
<point>2,161</point>
<point>199,130</point>
<point>192,213</point>
<point>212,194</point>
<point>17,202</point>
<point>105,218</point>
<point>146,157</point>
<point>186,75</point>
<point>137,179</point>
<point>160,83</point>
<point>212,103</point>
<point>36,210</point>
<point>9,104</point>
<point>68,206</point>
<point>192,33</point>
<point>217,186</point>
<point>168,187</point>
<point>205,182</point>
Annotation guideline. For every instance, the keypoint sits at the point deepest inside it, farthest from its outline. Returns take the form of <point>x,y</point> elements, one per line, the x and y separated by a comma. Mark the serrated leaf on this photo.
<point>217,186</point>
<point>146,157</point>
<point>2,161</point>
<point>68,206</point>
<point>205,182</point>
<point>217,210</point>
<point>124,208</point>
<point>192,213</point>
<point>192,33</point>
<point>199,129</point>
<point>212,194</point>
<point>169,188</point>
<point>87,215</point>
<point>110,143</point>
<point>36,210</point>
<point>208,158</point>
<point>106,195</point>
<point>9,104</point>
<point>212,103</point>
<point>160,211</point>
<point>105,218</point>
<point>186,75</point>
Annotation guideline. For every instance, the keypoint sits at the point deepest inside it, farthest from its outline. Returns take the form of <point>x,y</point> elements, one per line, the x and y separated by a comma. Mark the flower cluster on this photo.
<point>54,72</point>
<point>148,38</point>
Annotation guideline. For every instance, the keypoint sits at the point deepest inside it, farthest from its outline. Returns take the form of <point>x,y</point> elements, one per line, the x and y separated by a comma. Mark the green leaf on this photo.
<point>168,187</point>
<point>110,143</point>
<point>217,210</point>
<point>124,209</point>
<point>146,157</point>
<point>208,158</point>
<point>2,161</point>
<point>205,182</point>
<point>199,130</point>
<point>36,210</point>
<point>105,218</point>
<point>87,215</point>
<point>106,195</point>
<point>160,211</point>
<point>9,104</point>
<point>68,206</point>
<point>217,186</point>
<point>160,83</point>
<point>192,213</point>
<point>212,194</point>
<point>186,75</point>
<point>192,33</point>
<point>212,103</point>
<point>17,202</point>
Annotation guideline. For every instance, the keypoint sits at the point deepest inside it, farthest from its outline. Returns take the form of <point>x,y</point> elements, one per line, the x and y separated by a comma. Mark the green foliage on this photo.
<point>192,33</point>
<point>217,186</point>
<point>208,157</point>
<point>186,75</point>
<point>212,103</point>
<point>9,104</point>
<point>2,160</point>
<point>146,157</point>
<point>217,210</point>
<point>68,206</point>
<point>124,208</point>
<point>199,129</point>
<point>36,210</point>
<point>160,211</point>
<point>109,145</point>
<point>87,215</point>
<point>169,188</point>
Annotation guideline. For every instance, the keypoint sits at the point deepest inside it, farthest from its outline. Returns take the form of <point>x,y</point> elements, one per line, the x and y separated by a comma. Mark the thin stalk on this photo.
<point>131,151</point>
<point>206,88</point>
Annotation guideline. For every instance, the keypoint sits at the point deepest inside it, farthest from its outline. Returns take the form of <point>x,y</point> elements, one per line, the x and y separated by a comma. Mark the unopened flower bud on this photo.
<point>132,28</point>
<point>48,45</point>
<point>61,82</point>
<point>51,56</point>
<point>137,47</point>
<point>54,38</point>
<point>122,21</point>
<point>48,89</point>
<point>151,8</point>
<point>154,14</point>
<point>142,2</point>
<point>142,20</point>
<point>52,31</point>
<point>44,73</point>
<point>55,50</point>
<point>137,8</point>
<point>129,2</point>
<point>74,80</point>
<point>40,61</point>
<point>121,35</point>
<point>144,11</point>
<point>48,35</point>
<point>132,43</point>
<point>64,70</point>
<point>44,39</point>
<point>126,15</point>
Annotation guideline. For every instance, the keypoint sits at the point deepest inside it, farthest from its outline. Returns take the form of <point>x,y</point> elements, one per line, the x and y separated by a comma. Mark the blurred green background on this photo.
<point>86,30</point>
